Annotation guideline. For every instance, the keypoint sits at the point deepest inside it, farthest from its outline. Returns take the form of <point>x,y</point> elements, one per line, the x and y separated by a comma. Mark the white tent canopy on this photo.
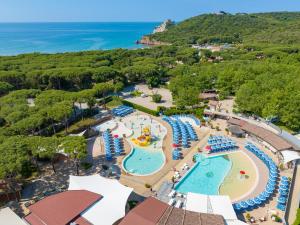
<point>111,207</point>
<point>222,205</point>
<point>8,217</point>
<point>214,204</point>
<point>193,202</point>
<point>289,156</point>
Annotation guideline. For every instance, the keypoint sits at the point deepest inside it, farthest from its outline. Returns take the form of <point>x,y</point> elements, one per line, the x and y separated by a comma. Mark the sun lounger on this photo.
<point>178,204</point>
<point>172,202</point>
<point>172,194</point>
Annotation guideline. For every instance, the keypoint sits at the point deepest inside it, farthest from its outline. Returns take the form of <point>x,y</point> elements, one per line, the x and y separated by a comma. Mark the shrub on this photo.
<point>136,93</point>
<point>248,216</point>
<point>132,204</point>
<point>147,185</point>
<point>141,108</point>
<point>115,101</point>
<point>156,98</point>
<point>86,165</point>
<point>198,112</point>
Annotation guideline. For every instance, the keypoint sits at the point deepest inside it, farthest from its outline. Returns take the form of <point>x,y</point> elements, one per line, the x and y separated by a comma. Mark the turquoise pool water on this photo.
<point>144,162</point>
<point>206,176</point>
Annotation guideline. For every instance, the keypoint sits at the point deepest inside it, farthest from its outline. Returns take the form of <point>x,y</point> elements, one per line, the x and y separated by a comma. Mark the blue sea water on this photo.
<point>17,38</point>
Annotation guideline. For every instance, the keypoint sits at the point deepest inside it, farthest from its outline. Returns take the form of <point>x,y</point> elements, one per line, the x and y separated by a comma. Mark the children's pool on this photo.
<point>149,159</point>
<point>143,162</point>
<point>206,176</point>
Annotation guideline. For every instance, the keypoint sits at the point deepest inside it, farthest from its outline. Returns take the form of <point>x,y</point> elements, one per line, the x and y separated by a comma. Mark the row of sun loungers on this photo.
<point>122,110</point>
<point>263,197</point>
<point>283,193</point>
<point>111,145</point>
<point>183,133</point>
<point>173,202</point>
<point>221,143</point>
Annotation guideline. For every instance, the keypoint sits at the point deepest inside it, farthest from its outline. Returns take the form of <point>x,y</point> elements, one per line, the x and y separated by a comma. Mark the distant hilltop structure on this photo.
<point>164,26</point>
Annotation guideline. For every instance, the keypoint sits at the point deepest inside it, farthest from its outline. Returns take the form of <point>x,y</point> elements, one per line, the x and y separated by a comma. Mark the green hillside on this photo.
<point>272,28</point>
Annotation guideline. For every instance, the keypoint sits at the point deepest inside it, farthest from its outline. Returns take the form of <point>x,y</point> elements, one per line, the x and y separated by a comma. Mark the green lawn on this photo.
<point>297,221</point>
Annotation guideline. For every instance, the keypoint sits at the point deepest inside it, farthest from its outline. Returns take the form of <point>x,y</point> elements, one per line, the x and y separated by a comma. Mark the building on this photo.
<point>155,212</point>
<point>236,131</point>
<point>89,200</point>
<point>63,208</point>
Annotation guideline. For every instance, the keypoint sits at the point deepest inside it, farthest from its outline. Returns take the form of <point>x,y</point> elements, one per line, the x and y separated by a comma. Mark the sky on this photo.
<point>130,10</point>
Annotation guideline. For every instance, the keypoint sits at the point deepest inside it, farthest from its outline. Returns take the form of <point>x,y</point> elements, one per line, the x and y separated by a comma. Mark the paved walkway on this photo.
<point>295,198</point>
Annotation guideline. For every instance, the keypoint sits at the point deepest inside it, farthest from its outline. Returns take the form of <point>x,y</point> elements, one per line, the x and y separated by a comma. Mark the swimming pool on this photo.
<point>206,176</point>
<point>143,162</point>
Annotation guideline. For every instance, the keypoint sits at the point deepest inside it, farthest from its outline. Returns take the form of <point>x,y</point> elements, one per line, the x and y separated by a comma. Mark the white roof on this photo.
<point>235,222</point>
<point>8,217</point>
<point>289,156</point>
<point>111,207</point>
<point>222,205</point>
<point>196,202</point>
<point>214,204</point>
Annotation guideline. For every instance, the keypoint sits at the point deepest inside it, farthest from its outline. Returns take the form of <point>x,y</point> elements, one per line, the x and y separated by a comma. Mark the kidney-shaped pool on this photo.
<point>143,162</point>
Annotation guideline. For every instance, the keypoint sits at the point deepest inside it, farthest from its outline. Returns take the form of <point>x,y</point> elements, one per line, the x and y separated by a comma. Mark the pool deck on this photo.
<point>166,173</point>
<point>259,180</point>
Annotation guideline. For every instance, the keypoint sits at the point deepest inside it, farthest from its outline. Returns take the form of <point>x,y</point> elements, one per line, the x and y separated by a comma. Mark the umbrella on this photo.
<point>269,191</point>
<point>116,136</point>
<point>175,145</point>
<point>273,175</point>
<point>237,206</point>
<point>283,188</point>
<point>257,201</point>
<point>272,179</point>
<point>282,200</point>
<point>284,182</point>
<point>244,205</point>
<point>250,202</point>
<point>242,172</point>
<point>262,197</point>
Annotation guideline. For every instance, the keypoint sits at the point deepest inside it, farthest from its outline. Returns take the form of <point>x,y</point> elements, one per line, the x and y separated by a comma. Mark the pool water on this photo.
<point>144,162</point>
<point>206,176</point>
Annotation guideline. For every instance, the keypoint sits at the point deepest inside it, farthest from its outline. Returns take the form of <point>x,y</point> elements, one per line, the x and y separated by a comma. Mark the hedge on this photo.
<point>141,108</point>
<point>198,112</point>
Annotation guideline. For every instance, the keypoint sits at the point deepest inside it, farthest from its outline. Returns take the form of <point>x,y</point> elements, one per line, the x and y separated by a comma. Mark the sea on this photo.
<point>19,38</point>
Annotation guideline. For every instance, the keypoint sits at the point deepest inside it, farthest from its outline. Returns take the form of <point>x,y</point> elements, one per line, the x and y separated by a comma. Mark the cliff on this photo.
<point>164,26</point>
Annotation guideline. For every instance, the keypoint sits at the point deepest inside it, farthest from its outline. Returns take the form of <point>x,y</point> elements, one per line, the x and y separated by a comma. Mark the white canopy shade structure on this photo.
<point>8,217</point>
<point>222,205</point>
<point>289,156</point>
<point>196,202</point>
<point>111,207</point>
<point>213,204</point>
<point>235,222</point>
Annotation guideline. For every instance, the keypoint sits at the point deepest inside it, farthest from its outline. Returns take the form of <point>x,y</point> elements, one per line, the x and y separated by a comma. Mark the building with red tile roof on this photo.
<point>63,208</point>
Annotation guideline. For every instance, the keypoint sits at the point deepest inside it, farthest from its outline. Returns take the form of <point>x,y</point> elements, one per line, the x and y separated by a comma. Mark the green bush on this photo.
<point>141,108</point>
<point>136,93</point>
<point>297,221</point>
<point>147,185</point>
<point>115,101</point>
<point>198,112</point>
<point>86,165</point>
<point>156,98</point>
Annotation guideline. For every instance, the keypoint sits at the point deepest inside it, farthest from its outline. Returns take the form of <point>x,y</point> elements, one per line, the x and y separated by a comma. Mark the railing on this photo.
<point>288,205</point>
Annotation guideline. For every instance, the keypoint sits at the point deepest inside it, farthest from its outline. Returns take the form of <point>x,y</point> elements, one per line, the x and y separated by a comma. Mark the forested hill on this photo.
<point>271,28</point>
